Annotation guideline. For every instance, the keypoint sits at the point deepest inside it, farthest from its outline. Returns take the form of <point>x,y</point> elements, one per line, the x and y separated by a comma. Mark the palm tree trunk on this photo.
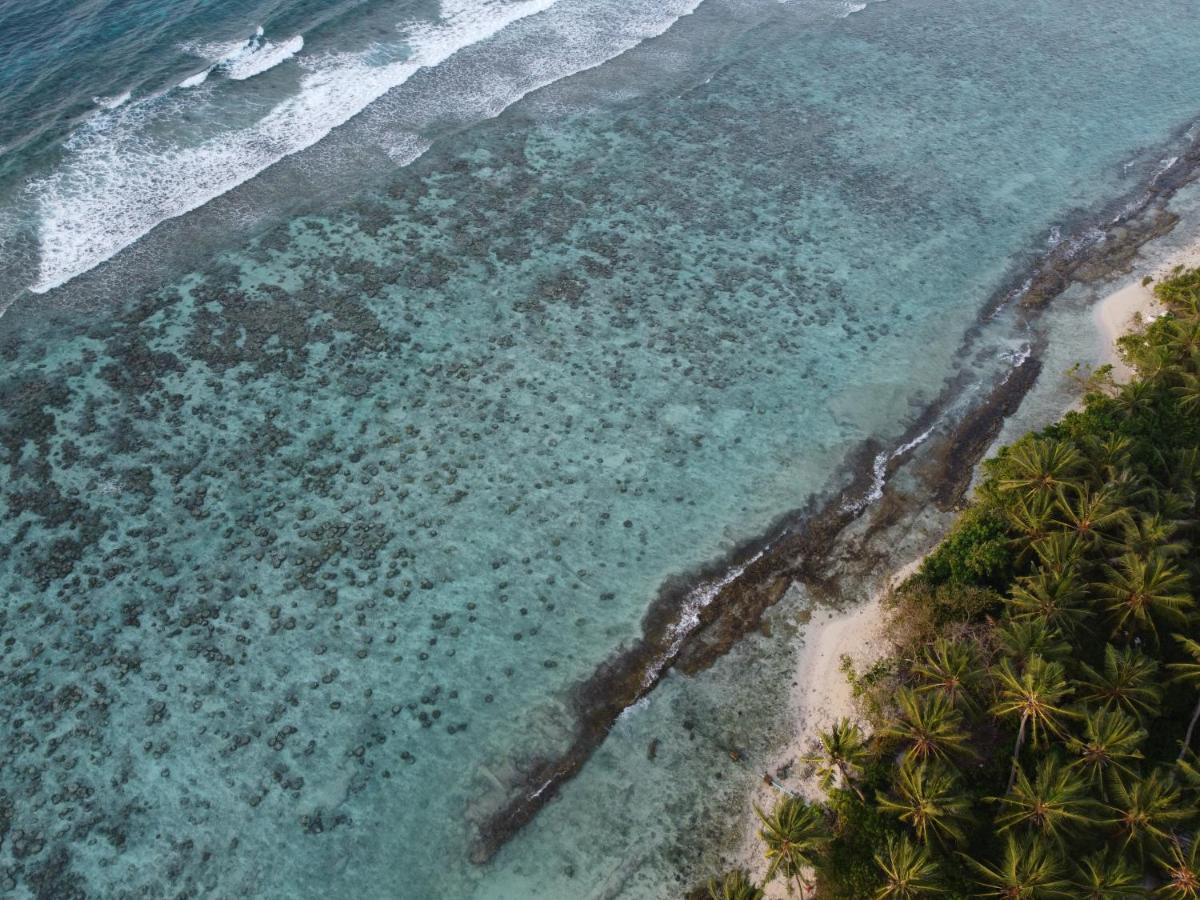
<point>1016,760</point>
<point>1187,738</point>
<point>800,884</point>
<point>850,782</point>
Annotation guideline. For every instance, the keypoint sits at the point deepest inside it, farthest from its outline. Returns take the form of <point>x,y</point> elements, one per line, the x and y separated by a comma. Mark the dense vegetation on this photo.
<point>1033,734</point>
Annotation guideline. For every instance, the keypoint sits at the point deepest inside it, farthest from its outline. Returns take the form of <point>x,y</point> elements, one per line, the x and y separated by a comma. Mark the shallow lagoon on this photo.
<point>304,551</point>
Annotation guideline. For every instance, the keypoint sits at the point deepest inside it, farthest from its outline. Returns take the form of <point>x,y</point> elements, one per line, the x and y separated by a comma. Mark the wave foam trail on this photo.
<point>240,61</point>
<point>261,56</point>
<point>113,102</point>
<point>195,80</point>
<point>121,177</point>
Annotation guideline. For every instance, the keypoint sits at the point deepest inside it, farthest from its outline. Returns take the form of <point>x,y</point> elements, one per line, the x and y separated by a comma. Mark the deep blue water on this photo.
<point>361,380</point>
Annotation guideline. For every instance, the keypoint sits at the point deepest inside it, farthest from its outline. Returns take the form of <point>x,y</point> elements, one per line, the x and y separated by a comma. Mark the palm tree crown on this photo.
<point>909,871</point>
<point>1027,868</point>
<point>794,832</point>
<point>1055,804</point>
<point>928,797</point>
<point>929,724</point>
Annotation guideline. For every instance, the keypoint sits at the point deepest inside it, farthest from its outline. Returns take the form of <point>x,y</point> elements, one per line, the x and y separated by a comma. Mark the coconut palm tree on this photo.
<point>1055,804</point>
<point>1144,810</point>
<point>1187,769</point>
<point>1110,742</point>
<point>736,885</point>
<point>1140,394</point>
<point>1180,867</point>
<point>1027,868</point>
<point>909,872</point>
<point>1108,456</point>
<point>1059,601</point>
<point>930,726</point>
<point>794,833</point>
<point>1128,681</point>
<point>1058,553</point>
<point>928,797</point>
<point>1032,517</point>
<point>1023,639</point>
<point>1104,876</point>
<point>950,668</point>
<point>1035,697</point>
<point>1149,533</point>
<point>1140,590</point>
<point>1188,392</point>
<point>1188,673</point>
<point>1181,480</point>
<point>1184,338</point>
<point>843,753</point>
<point>1090,514</point>
<point>1034,466</point>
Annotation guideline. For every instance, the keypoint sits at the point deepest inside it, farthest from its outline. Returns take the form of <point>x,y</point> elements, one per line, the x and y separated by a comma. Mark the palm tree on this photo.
<point>1139,590</point>
<point>1028,868</point>
<point>1088,514</point>
<point>1036,697</point>
<point>1108,457</point>
<point>1188,673</point>
<point>1144,810</point>
<point>1181,868</point>
<point>1059,553</point>
<point>1104,877</point>
<point>794,832</point>
<point>1129,682</point>
<point>1188,768</point>
<point>1188,392</point>
<point>928,797</point>
<point>929,724</point>
<point>1055,804</point>
<point>1152,533</point>
<point>1033,519</point>
<point>1110,742</point>
<point>909,872</point>
<point>1138,394</point>
<point>736,885</point>
<point>950,668</point>
<point>843,753</point>
<point>1184,340</point>
<point>1034,466</point>
<point>1023,639</point>
<point>1059,601</point>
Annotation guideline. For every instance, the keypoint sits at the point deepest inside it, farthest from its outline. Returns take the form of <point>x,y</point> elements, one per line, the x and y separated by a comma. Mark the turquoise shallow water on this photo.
<point>305,543</point>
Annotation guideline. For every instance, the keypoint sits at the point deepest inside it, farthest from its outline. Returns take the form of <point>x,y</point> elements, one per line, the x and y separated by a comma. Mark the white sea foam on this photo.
<point>245,59</point>
<point>261,57</point>
<point>195,80</point>
<point>120,178</point>
<point>697,600</point>
<point>879,473</point>
<point>113,102</point>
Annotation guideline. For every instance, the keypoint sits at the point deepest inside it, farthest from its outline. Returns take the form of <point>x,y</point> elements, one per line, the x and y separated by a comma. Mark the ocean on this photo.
<point>368,368</point>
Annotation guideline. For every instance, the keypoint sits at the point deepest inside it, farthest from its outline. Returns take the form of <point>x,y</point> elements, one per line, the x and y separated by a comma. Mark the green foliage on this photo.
<point>848,869</point>
<point>975,553</point>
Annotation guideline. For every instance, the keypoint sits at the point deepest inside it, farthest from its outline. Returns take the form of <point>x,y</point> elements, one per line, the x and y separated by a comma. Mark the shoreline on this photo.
<point>821,692</point>
<point>834,547</point>
<point>840,541</point>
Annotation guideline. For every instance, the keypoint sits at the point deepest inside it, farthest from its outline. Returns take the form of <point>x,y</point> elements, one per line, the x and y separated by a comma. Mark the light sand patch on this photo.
<point>1124,310</point>
<point>821,695</point>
